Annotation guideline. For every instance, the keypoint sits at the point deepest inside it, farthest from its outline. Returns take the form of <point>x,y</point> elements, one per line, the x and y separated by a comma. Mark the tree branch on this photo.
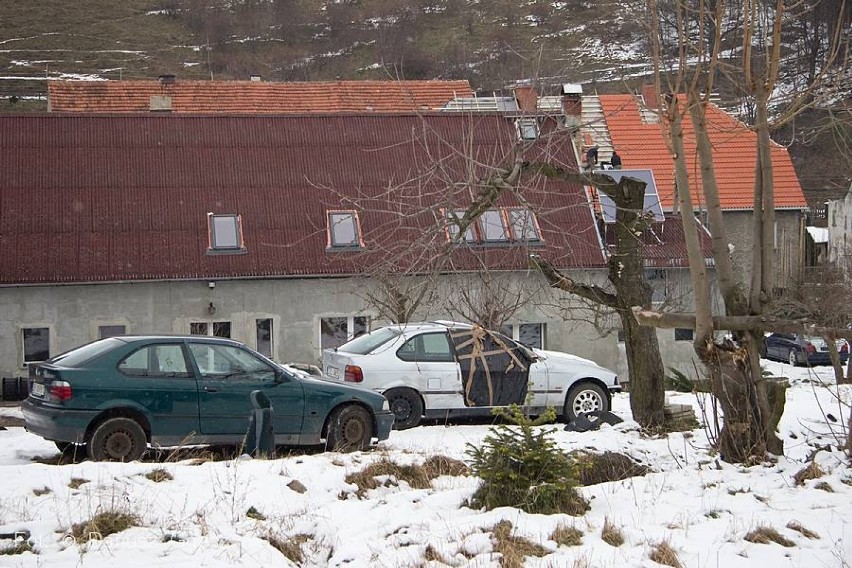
<point>556,279</point>
<point>738,323</point>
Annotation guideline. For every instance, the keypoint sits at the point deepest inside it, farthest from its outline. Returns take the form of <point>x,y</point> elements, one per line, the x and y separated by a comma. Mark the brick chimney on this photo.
<point>572,104</point>
<point>526,97</point>
<point>649,94</point>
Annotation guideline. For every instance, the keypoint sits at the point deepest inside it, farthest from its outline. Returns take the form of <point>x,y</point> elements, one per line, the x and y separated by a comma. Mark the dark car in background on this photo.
<point>117,395</point>
<point>797,349</point>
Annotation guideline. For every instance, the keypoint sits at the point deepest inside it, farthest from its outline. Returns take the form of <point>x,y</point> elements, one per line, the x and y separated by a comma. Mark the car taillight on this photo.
<point>61,390</point>
<point>353,374</point>
<point>810,347</point>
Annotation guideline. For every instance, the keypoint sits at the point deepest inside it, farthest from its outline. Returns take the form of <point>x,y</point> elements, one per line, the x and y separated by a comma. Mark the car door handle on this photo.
<point>211,389</point>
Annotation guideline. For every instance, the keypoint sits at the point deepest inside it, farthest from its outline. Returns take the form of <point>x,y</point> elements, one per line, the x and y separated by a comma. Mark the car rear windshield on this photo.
<point>86,352</point>
<point>366,343</point>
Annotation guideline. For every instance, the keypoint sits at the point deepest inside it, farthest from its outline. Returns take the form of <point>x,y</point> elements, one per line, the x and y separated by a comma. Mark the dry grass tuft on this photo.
<point>417,476</point>
<point>663,553</point>
<point>431,554</point>
<point>437,466</point>
<point>608,466</point>
<point>42,491</point>
<point>567,536</point>
<point>514,548</point>
<point>102,525</point>
<point>765,535</point>
<point>290,547</point>
<point>19,547</point>
<point>76,482</point>
<point>811,471</point>
<point>824,486</point>
<point>611,534</point>
<point>253,513</point>
<point>796,526</point>
<point>159,475</point>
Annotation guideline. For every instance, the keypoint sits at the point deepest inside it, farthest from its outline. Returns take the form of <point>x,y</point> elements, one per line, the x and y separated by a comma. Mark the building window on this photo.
<point>344,230</point>
<point>216,328</point>
<point>225,234</point>
<point>527,128</point>
<point>496,226</point>
<point>683,334</point>
<point>335,331</point>
<point>453,227</point>
<point>263,333</point>
<point>523,225</point>
<point>105,331</point>
<point>530,334</point>
<point>492,226</point>
<point>658,281</point>
<point>36,344</point>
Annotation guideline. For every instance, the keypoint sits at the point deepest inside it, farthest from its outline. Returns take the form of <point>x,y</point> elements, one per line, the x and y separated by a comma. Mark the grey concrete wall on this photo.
<point>840,233</point>
<point>788,240</point>
<point>73,313</point>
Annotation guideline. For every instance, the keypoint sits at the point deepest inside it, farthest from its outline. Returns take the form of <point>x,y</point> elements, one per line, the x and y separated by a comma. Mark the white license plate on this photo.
<point>38,389</point>
<point>332,372</point>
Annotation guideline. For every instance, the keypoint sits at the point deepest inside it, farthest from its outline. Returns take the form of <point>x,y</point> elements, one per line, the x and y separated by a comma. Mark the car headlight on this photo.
<point>385,405</point>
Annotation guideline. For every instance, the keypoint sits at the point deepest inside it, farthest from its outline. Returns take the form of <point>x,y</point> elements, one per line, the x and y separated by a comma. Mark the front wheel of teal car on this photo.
<point>350,428</point>
<point>117,439</point>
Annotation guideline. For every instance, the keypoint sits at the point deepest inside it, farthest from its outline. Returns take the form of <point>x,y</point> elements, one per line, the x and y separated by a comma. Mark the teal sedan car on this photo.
<point>118,395</point>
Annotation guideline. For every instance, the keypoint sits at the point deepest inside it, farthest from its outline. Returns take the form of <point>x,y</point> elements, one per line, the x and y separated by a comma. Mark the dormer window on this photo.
<point>344,231</point>
<point>496,226</point>
<point>523,225</point>
<point>527,128</point>
<point>453,227</point>
<point>225,234</point>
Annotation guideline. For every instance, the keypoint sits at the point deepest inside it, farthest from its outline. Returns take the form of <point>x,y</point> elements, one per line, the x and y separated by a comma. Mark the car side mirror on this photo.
<point>281,376</point>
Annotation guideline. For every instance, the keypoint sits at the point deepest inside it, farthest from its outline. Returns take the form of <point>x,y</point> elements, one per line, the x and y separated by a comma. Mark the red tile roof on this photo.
<point>89,198</point>
<point>641,145</point>
<point>663,244</point>
<point>254,96</point>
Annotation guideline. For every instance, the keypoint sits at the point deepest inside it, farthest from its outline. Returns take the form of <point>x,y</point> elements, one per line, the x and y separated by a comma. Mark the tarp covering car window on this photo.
<point>494,369</point>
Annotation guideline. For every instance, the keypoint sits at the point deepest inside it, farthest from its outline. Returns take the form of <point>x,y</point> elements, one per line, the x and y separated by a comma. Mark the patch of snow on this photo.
<point>701,505</point>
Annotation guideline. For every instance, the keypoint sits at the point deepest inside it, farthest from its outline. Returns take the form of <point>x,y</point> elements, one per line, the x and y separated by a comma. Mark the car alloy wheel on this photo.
<point>791,357</point>
<point>583,398</point>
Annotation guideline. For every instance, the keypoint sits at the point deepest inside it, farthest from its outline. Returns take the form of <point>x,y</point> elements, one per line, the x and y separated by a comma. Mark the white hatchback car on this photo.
<point>448,369</point>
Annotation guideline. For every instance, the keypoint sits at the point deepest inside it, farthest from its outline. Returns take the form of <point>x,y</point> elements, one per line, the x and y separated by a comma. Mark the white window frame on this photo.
<point>532,224</point>
<point>272,329</point>
<point>50,350</point>
<point>516,331</point>
<point>210,324</point>
<point>525,126</point>
<point>356,243</point>
<point>350,325</point>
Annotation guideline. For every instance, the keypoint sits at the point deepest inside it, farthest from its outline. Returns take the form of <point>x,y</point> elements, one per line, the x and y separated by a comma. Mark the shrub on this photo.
<point>678,381</point>
<point>520,466</point>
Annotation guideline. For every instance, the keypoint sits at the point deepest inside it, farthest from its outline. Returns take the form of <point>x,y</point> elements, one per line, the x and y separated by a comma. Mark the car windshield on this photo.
<point>86,352</point>
<point>366,343</point>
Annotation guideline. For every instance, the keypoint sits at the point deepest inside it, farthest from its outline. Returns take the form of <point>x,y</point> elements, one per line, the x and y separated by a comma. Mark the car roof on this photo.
<point>441,325</point>
<point>174,337</point>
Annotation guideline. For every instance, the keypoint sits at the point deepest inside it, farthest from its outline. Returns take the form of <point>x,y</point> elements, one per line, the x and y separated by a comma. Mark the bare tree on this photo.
<point>734,366</point>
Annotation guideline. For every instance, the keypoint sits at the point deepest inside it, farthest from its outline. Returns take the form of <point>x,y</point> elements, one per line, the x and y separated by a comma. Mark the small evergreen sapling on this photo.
<point>520,466</point>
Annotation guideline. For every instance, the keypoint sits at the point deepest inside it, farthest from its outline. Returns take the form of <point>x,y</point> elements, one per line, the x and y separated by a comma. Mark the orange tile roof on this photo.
<point>641,145</point>
<point>255,96</point>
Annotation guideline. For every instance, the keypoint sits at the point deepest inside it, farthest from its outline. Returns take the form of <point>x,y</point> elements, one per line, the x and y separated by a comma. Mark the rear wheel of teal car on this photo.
<point>350,428</point>
<point>117,439</point>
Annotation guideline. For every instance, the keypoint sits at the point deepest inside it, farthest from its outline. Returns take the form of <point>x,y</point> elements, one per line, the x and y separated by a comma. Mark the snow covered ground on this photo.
<point>702,507</point>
